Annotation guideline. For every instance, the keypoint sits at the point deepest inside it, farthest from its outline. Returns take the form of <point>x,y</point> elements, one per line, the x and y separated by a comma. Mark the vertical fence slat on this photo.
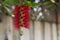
<point>42,30</point>
<point>25,35</point>
<point>38,30</point>
<point>47,31</point>
<point>2,35</point>
<point>54,31</point>
<point>51,31</point>
<point>58,31</point>
<point>9,27</point>
<point>32,34</point>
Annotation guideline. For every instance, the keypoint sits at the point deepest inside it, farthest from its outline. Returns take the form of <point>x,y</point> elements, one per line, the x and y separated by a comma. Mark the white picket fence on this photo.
<point>38,31</point>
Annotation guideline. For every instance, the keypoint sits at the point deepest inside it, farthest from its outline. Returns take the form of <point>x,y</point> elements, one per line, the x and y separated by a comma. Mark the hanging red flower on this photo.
<point>22,16</point>
<point>17,17</point>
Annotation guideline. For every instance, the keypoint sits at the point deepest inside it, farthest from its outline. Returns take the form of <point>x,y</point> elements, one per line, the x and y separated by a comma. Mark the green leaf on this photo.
<point>35,5</point>
<point>8,10</point>
<point>28,3</point>
<point>8,2</point>
<point>51,6</point>
<point>11,2</point>
<point>17,2</point>
<point>2,9</point>
<point>46,3</point>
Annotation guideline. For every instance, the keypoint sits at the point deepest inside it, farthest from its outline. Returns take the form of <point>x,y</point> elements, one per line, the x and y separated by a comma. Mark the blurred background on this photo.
<point>44,22</point>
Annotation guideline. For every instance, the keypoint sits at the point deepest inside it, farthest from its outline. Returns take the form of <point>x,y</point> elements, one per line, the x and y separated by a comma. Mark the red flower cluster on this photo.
<point>22,16</point>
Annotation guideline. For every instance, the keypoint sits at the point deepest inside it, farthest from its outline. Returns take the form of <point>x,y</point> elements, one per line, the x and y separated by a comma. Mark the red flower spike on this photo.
<point>22,12</point>
<point>27,16</point>
<point>27,25</point>
<point>16,18</point>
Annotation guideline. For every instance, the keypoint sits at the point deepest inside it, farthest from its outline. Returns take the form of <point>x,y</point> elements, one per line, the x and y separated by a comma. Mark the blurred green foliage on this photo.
<point>47,3</point>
